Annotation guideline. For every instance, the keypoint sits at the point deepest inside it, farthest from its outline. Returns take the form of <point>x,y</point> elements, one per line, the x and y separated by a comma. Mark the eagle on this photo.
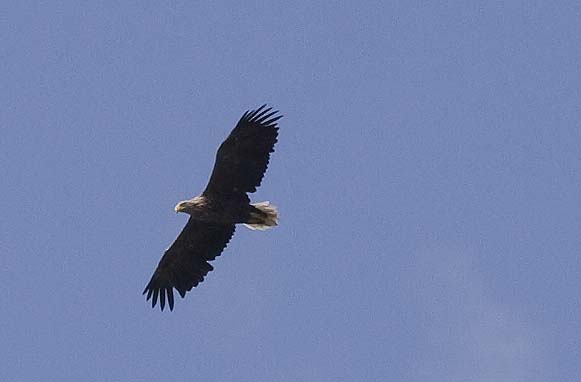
<point>241,162</point>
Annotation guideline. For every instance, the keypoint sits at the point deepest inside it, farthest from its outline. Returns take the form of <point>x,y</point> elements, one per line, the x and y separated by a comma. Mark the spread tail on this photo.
<point>264,217</point>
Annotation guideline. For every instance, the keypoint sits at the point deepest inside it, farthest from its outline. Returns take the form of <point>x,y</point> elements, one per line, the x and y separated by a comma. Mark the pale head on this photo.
<point>191,205</point>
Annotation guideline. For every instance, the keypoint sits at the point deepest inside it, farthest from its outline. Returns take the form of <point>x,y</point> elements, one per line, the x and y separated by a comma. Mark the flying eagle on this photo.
<point>241,162</point>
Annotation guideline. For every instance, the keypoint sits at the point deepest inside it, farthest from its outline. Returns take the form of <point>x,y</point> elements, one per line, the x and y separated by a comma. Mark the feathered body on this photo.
<point>219,210</point>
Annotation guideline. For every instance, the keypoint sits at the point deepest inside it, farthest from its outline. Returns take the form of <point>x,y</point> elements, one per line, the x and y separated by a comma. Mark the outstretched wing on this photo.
<point>243,157</point>
<point>185,263</point>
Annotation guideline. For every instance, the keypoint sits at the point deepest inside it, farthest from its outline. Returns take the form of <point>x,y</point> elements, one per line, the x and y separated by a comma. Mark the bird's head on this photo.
<point>190,206</point>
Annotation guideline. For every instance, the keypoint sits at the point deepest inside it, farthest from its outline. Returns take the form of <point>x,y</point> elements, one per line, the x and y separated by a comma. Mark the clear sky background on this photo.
<point>428,176</point>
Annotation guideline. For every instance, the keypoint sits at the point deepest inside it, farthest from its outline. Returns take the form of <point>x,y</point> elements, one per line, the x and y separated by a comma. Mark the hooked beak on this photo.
<point>178,208</point>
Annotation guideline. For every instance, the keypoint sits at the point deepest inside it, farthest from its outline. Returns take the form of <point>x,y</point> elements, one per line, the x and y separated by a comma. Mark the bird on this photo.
<point>241,161</point>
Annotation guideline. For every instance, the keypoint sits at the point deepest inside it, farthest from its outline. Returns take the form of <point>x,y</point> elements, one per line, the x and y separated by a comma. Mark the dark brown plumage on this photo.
<point>241,162</point>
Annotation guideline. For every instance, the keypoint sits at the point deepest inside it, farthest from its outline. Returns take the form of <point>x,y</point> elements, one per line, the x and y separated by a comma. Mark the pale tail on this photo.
<point>266,220</point>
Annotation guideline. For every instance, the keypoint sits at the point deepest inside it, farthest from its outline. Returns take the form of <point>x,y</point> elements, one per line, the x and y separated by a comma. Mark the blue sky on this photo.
<point>427,175</point>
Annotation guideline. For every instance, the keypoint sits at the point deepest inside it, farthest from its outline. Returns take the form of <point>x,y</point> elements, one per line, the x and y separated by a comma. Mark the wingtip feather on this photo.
<point>154,299</point>
<point>162,299</point>
<point>170,298</point>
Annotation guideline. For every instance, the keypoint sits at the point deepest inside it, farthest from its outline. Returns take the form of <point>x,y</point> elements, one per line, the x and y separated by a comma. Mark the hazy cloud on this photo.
<point>465,333</point>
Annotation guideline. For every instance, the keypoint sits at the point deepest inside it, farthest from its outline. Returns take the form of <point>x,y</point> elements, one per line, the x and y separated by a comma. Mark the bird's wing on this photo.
<point>185,263</point>
<point>243,157</point>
